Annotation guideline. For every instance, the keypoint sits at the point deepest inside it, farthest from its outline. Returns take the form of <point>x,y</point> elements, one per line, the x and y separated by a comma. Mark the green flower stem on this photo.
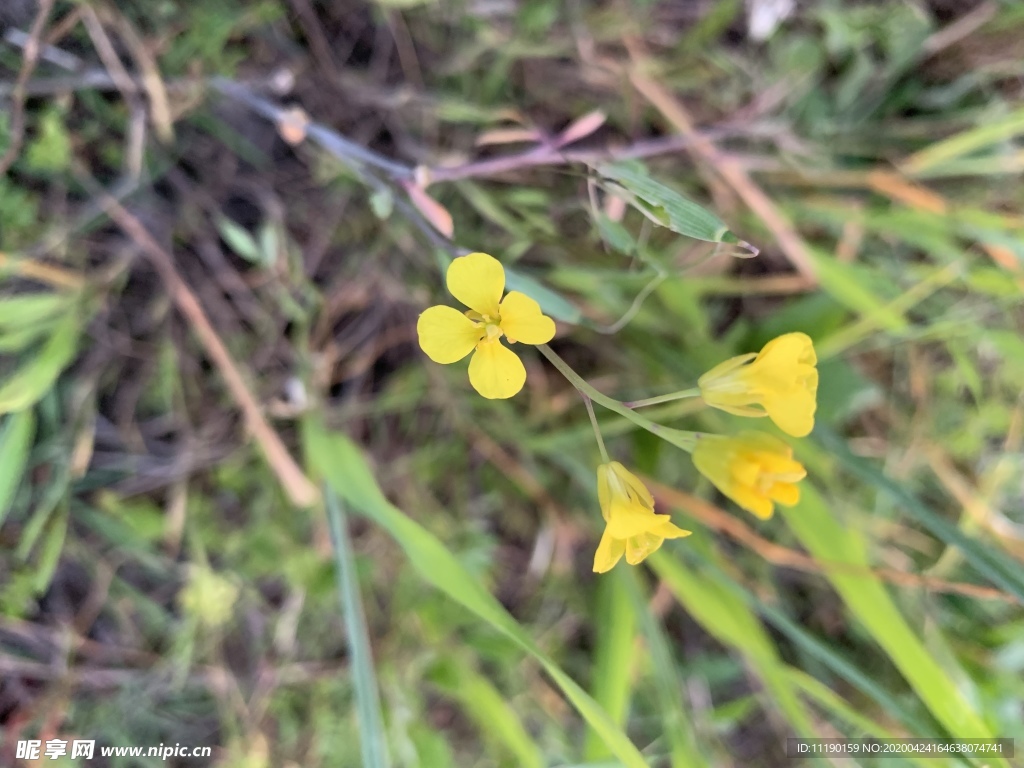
<point>679,438</point>
<point>597,429</point>
<point>695,392</point>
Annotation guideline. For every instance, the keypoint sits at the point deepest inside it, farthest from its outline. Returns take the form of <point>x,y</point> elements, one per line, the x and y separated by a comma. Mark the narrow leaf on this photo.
<point>666,206</point>
<point>334,456</point>
<point>371,722</point>
<point>15,441</point>
<point>34,378</point>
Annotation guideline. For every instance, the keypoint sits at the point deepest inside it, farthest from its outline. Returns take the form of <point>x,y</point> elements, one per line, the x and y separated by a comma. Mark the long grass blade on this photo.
<point>334,456</point>
<point>371,721</point>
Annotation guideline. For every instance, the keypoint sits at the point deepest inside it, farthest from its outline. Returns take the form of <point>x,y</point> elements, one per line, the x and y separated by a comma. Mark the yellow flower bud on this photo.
<point>781,379</point>
<point>632,527</point>
<point>754,469</point>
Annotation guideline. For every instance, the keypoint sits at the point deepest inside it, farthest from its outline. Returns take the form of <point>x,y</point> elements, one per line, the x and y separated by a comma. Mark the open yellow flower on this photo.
<point>447,335</point>
<point>632,528</point>
<point>754,469</point>
<point>782,380</point>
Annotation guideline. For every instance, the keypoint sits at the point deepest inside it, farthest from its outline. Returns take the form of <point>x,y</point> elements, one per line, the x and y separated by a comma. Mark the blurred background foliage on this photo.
<point>162,580</point>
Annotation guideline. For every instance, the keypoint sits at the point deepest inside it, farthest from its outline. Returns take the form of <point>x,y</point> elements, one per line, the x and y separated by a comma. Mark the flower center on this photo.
<point>490,323</point>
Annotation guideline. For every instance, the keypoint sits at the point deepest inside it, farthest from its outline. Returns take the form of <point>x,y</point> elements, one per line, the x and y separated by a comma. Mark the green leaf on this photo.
<point>240,241</point>
<point>15,441</point>
<point>668,682</point>
<point>616,235</point>
<point>371,720</point>
<point>49,554</point>
<point>334,456</point>
<point>667,207</point>
<point>382,203</point>
<point>821,533</point>
<point>29,309</point>
<point>1003,572</point>
<point>613,656</point>
<point>50,151</point>
<point>484,704</point>
<point>36,377</point>
<point>727,617</point>
<point>551,303</point>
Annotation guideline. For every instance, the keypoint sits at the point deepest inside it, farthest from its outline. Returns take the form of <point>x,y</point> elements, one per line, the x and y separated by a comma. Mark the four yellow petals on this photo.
<point>447,335</point>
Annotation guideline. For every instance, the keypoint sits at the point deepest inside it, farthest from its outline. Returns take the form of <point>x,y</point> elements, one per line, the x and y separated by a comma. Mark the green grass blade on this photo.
<point>867,599</point>
<point>34,378</point>
<point>15,442</point>
<point>334,457</point>
<point>918,726</point>
<point>371,722</point>
<point>613,657</point>
<point>668,683</point>
<point>728,618</point>
<point>29,309</point>
<point>863,726</point>
<point>1002,571</point>
<point>484,704</point>
<point>956,147</point>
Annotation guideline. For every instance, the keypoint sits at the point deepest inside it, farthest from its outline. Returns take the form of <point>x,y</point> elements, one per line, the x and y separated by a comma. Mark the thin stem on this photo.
<point>679,438</point>
<point>634,308</point>
<point>695,392</point>
<point>597,429</point>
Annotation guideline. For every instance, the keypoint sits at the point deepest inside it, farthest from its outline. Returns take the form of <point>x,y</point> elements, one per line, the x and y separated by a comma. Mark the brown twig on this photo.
<point>297,486</point>
<point>552,156</point>
<point>28,65</point>
<point>44,273</point>
<point>736,529</point>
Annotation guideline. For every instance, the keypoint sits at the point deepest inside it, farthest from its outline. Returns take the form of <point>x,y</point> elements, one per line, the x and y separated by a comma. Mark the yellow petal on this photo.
<point>670,531</point>
<point>447,335</point>
<point>788,350</point>
<point>522,320</point>
<point>786,494</point>
<point>477,280</point>
<point>793,412</point>
<point>627,520</point>
<point>639,547</point>
<point>750,500</point>
<point>789,379</point>
<point>632,482</point>
<point>608,553</point>
<point>495,371</point>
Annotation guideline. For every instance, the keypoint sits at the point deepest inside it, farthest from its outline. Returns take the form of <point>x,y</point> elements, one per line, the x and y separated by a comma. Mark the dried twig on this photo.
<point>296,485</point>
<point>28,65</point>
<point>36,270</point>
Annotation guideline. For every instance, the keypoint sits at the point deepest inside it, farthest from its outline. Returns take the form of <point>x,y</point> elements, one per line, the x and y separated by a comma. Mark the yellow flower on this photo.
<point>753,469</point>
<point>631,525</point>
<point>447,335</point>
<point>781,379</point>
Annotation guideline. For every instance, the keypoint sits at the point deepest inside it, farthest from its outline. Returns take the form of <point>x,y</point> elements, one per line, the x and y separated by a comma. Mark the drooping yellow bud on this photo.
<point>781,379</point>
<point>754,469</point>
<point>632,527</point>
